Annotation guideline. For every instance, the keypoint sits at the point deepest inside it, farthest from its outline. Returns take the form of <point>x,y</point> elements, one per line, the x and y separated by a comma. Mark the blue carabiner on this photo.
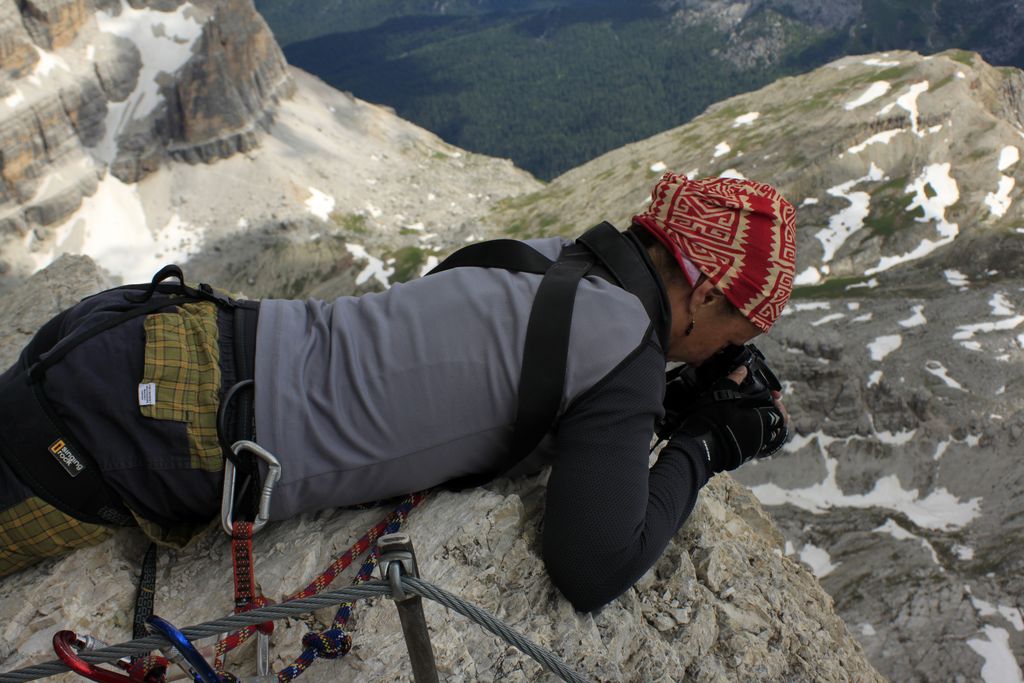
<point>201,669</point>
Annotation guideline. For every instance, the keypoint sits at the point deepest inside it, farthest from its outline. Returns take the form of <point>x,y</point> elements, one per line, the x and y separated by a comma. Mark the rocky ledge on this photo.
<point>722,604</point>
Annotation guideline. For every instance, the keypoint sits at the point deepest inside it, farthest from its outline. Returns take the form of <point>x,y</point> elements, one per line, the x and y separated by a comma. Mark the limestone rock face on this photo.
<point>17,54</point>
<point>122,88</point>
<point>222,98</point>
<point>722,604</point>
<point>52,24</point>
<point>902,487</point>
<point>238,70</point>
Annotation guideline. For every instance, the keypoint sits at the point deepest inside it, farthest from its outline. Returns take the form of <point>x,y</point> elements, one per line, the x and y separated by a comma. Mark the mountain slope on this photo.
<point>295,20</point>
<point>552,84</point>
<point>549,90</point>
<point>112,119</point>
<point>902,351</point>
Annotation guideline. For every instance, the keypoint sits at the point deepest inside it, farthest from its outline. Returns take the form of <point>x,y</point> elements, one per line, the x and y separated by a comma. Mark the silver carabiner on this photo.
<point>227,501</point>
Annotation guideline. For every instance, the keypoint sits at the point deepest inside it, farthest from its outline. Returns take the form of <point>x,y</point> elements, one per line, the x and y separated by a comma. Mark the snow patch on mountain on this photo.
<point>882,138</point>
<point>851,219</point>
<point>935,190</point>
<point>746,119</point>
<point>998,202</point>
<point>884,345</point>
<point>830,318</point>
<point>955,278</point>
<point>1000,664</point>
<point>817,559</point>
<point>908,101</point>
<point>165,41</point>
<point>968,331</point>
<point>1008,156</point>
<point>48,61</point>
<point>809,276</point>
<point>320,204</point>
<point>874,91</point>
<point>896,531</point>
<point>375,267</point>
<point>1000,305</point>
<point>963,552</point>
<point>916,318</point>
<point>936,368</point>
<point>133,251</point>
<point>939,509</point>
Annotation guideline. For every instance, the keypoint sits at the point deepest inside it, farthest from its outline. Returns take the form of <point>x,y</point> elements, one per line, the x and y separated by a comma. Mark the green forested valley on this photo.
<point>553,83</point>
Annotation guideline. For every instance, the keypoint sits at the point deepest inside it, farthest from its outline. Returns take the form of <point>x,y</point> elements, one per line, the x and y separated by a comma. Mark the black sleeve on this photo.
<point>608,517</point>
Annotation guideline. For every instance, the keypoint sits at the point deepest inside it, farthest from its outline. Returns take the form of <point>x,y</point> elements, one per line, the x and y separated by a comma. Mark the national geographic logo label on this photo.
<point>67,458</point>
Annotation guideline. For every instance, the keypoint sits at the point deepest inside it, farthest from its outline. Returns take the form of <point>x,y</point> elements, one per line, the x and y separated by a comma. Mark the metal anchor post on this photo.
<point>397,558</point>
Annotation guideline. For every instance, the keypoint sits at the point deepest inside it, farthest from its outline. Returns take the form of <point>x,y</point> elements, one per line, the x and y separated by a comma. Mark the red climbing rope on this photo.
<point>333,642</point>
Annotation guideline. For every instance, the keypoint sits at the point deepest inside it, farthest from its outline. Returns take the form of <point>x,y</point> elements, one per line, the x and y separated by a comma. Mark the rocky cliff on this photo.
<point>120,87</point>
<point>337,196</point>
<point>900,353</point>
<point>121,106</point>
<point>902,348</point>
<point>722,604</point>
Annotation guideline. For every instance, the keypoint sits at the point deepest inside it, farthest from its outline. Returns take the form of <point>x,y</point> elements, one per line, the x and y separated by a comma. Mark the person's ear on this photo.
<point>705,294</point>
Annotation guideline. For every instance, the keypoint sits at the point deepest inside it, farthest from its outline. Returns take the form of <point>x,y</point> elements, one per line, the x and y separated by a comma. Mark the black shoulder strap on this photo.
<point>629,270</point>
<point>546,351</point>
<point>545,354</point>
<point>546,348</point>
<point>507,254</point>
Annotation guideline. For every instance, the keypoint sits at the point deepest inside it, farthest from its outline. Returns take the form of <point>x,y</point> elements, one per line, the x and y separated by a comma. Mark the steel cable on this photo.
<point>413,585</point>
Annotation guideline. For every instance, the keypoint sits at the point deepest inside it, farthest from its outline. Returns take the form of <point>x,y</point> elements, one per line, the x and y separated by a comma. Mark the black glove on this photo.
<point>735,425</point>
<point>686,386</point>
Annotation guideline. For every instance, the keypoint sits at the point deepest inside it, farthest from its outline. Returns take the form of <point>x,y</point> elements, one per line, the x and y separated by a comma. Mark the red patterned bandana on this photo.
<point>739,233</point>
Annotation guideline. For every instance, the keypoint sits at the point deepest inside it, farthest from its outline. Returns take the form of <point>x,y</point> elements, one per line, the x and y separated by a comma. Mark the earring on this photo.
<point>689,328</point>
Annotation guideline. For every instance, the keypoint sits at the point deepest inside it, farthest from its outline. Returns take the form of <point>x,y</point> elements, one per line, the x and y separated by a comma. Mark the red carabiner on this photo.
<point>64,645</point>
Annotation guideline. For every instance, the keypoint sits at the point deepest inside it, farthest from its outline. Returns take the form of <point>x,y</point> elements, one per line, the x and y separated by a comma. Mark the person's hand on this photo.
<point>777,400</point>
<point>734,426</point>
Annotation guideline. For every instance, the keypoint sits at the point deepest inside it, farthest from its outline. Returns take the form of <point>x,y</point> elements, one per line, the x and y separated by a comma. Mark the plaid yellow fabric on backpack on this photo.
<point>182,366</point>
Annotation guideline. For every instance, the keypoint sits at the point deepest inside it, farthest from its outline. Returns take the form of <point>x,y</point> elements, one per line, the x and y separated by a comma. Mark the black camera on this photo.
<point>685,383</point>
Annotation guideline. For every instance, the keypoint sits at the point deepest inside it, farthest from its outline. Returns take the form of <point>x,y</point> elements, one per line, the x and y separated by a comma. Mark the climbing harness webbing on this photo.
<point>248,594</point>
<point>602,251</point>
<point>146,592</point>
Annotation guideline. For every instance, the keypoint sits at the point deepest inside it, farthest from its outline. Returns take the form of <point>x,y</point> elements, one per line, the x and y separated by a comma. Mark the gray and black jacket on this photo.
<point>370,397</point>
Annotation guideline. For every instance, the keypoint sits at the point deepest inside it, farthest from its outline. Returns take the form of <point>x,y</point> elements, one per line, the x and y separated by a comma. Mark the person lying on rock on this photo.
<point>122,408</point>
